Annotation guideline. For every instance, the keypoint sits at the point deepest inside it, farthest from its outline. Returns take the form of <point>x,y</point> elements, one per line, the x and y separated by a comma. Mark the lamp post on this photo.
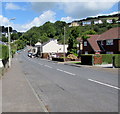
<point>9,42</point>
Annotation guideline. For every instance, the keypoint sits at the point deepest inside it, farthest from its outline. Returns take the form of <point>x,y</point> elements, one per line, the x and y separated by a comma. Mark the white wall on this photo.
<point>53,47</point>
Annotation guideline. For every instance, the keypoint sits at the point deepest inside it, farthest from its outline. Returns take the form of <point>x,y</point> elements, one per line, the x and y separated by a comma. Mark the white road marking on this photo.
<point>104,84</point>
<point>66,72</point>
<point>60,70</point>
<point>40,64</point>
<point>47,66</point>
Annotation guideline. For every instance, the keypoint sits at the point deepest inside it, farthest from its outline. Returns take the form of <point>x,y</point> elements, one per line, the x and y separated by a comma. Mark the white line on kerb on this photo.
<point>40,102</point>
<point>104,84</point>
<point>66,72</point>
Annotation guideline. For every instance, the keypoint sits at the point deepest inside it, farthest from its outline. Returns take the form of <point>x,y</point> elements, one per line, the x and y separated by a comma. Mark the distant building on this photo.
<point>86,23</point>
<point>98,22</point>
<point>48,48</point>
<point>74,24</point>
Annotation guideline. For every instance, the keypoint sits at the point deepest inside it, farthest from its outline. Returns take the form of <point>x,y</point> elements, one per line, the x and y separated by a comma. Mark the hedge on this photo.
<point>4,52</point>
<point>117,61</point>
<point>108,59</point>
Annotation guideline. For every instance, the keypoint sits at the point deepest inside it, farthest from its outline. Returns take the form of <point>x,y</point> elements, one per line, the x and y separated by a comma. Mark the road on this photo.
<point>64,88</point>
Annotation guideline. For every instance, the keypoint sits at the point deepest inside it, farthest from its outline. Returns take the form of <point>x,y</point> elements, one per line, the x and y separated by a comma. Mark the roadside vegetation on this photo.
<point>56,31</point>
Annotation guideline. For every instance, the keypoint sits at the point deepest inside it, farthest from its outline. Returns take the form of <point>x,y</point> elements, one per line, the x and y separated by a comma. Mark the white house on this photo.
<point>86,23</point>
<point>53,47</point>
<point>109,20</point>
<point>98,22</point>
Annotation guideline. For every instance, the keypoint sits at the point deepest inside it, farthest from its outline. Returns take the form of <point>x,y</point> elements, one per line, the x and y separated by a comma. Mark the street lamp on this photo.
<point>9,42</point>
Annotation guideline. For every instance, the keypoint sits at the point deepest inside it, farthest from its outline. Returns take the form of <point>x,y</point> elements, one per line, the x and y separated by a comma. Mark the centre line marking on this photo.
<point>48,66</point>
<point>104,84</point>
<point>66,72</point>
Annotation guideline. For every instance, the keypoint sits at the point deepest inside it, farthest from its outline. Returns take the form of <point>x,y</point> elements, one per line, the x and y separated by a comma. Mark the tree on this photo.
<point>113,21</point>
<point>14,36</point>
<point>4,39</point>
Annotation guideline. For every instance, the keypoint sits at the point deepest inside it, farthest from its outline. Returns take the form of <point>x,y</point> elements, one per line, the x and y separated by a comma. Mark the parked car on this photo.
<point>30,54</point>
<point>53,55</point>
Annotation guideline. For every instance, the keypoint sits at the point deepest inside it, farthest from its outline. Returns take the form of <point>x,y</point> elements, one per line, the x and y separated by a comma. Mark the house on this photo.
<point>50,47</point>
<point>74,24</point>
<point>90,45</point>
<point>109,41</point>
<point>53,47</point>
<point>98,22</point>
<point>86,23</point>
<point>106,43</point>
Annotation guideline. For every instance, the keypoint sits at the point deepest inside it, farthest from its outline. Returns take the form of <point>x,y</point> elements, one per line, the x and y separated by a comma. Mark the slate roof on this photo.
<point>113,33</point>
<point>93,42</point>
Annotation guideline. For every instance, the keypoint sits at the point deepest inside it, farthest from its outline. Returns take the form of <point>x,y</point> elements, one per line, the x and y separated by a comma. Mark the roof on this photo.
<point>55,40</point>
<point>113,33</point>
<point>38,43</point>
<point>93,42</point>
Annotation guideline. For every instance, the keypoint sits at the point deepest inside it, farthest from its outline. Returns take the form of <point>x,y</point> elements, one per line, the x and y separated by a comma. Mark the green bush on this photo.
<point>117,60</point>
<point>4,52</point>
<point>107,58</point>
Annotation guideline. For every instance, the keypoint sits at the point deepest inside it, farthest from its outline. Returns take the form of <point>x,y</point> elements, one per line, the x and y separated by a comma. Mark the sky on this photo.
<point>28,13</point>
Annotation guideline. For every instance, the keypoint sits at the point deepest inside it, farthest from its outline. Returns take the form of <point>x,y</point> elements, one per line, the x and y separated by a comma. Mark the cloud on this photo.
<point>4,21</point>
<point>108,13</point>
<point>11,6</point>
<point>67,19</point>
<point>37,21</point>
<point>85,9</point>
<point>42,6</point>
<point>80,9</point>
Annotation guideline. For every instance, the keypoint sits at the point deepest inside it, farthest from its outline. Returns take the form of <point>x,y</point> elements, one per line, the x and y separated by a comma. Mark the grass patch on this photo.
<point>76,62</point>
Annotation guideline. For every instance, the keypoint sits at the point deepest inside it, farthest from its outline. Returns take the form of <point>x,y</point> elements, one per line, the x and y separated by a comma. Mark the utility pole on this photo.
<point>64,44</point>
<point>9,41</point>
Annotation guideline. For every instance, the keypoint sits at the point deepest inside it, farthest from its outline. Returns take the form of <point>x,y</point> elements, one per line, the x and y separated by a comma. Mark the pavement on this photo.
<point>17,94</point>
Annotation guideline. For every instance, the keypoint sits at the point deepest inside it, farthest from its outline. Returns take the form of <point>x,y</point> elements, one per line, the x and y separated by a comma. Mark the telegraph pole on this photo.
<point>9,41</point>
<point>64,44</point>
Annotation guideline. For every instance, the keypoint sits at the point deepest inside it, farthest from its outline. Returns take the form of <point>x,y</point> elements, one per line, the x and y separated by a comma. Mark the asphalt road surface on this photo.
<point>63,88</point>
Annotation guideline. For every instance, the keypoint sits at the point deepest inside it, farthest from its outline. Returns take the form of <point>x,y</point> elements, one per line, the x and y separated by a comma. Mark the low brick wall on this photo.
<point>45,55</point>
<point>97,59</point>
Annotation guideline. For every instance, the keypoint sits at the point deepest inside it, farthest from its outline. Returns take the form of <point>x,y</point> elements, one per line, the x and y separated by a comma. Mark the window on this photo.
<point>86,52</point>
<point>109,52</point>
<point>102,43</point>
<point>109,42</point>
<point>85,43</point>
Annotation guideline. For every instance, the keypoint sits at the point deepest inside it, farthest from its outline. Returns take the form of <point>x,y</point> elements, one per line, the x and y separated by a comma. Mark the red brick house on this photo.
<point>109,41</point>
<point>106,43</point>
<point>90,45</point>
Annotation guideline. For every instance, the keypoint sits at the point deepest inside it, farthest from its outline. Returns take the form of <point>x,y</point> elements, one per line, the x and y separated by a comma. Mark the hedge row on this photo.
<point>108,58</point>
<point>4,52</point>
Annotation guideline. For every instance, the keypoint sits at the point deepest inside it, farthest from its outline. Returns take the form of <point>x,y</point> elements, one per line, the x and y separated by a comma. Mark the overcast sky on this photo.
<point>29,14</point>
